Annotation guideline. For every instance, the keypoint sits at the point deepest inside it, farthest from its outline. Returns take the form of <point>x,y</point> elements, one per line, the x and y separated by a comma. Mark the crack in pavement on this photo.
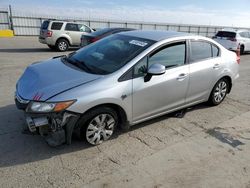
<point>72,171</point>
<point>140,140</point>
<point>152,136</point>
<point>114,161</point>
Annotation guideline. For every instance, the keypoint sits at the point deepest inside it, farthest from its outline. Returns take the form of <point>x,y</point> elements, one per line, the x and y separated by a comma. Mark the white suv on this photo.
<point>232,39</point>
<point>61,34</point>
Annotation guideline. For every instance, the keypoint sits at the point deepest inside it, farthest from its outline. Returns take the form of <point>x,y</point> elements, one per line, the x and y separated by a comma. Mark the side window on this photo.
<point>83,28</point>
<point>200,50</point>
<point>170,56</point>
<point>215,51</point>
<point>140,69</point>
<point>243,34</point>
<point>71,27</point>
<point>56,26</point>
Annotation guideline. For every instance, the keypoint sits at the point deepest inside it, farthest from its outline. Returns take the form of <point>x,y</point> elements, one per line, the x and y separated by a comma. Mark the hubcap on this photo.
<point>62,46</point>
<point>220,92</point>
<point>100,129</point>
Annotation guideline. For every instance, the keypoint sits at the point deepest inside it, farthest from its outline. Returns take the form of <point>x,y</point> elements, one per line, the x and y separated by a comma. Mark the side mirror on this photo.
<point>154,70</point>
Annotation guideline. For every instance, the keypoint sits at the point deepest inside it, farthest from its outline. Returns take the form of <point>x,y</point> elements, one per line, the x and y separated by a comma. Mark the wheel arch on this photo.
<point>121,113</point>
<point>65,38</point>
<point>242,49</point>
<point>229,79</point>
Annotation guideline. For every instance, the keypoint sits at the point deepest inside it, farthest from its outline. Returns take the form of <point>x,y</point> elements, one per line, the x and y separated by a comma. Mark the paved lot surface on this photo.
<point>209,147</point>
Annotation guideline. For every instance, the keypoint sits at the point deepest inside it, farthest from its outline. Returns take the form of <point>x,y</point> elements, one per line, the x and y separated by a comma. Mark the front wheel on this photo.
<point>242,50</point>
<point>98,125</point>
<point>219,92</point>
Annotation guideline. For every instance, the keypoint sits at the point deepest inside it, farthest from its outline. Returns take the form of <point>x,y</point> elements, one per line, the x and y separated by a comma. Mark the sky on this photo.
<point>233,13</point>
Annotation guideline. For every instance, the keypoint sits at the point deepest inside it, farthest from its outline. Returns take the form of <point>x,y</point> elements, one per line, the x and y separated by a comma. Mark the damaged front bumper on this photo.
<point>56,128</point>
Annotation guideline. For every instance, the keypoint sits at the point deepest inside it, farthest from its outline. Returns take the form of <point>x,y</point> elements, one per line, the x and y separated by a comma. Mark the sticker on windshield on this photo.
<point>138,43</point>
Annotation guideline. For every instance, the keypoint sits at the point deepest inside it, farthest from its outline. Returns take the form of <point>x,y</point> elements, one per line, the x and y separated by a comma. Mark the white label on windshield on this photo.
<point>138,43</point>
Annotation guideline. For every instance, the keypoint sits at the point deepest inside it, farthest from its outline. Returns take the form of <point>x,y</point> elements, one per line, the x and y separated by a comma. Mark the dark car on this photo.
<point>97,35</point>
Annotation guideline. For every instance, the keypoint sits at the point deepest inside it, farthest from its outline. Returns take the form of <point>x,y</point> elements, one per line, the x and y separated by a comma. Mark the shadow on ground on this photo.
<point>19,148</point>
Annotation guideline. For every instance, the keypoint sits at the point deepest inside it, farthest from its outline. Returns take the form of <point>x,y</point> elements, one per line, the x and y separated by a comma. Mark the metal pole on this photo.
<point>10,18</point>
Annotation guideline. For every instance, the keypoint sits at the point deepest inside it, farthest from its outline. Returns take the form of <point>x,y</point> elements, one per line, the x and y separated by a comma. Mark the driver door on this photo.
<point>162,92</point>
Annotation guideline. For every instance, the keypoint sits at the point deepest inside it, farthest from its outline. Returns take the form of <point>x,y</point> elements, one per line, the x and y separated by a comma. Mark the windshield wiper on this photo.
<point>80,64</point>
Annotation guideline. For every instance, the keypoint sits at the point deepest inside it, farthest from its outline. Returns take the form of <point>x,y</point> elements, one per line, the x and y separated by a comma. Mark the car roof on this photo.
<point>65,21</point>
<point>155,35</point>
<point>120,28</point>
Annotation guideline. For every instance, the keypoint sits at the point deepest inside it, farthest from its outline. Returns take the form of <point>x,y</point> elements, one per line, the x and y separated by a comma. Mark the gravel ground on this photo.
<point>209,147</point>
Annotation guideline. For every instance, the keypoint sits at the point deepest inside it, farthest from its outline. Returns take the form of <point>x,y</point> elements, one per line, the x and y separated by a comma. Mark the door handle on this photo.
<point>216,66</point>
<point>182,76</point>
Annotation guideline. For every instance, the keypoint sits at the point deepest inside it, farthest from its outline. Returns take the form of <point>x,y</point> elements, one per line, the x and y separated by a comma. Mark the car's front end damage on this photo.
<point>50,120</point>
<point>36,94</point>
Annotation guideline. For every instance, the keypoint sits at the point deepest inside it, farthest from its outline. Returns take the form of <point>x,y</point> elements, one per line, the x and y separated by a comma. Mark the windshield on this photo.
<point>110,54</point>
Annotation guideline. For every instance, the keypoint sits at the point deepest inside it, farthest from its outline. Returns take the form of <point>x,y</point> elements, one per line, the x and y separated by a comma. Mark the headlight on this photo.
<point>44,107</point>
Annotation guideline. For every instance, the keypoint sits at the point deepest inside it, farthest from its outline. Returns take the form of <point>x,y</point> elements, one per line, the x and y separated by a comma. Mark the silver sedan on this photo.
<point>123,80</point>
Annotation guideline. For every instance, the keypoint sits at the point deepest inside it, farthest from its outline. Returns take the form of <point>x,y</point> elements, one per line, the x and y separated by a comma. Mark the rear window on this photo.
<point>56,25</point>
<point>227,34</point>
<point>45,25</point>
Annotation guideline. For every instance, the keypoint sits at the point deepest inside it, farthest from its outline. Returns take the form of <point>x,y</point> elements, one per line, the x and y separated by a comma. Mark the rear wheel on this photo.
<point>219,92</point>
<point>62,45</point>
<point>242,50</point>
<point>98,125</point>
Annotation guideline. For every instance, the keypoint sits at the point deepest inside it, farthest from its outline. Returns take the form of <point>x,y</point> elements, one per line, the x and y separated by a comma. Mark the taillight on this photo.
<point>94,39</point>
<point>49,33</point>
<point>233,39</point>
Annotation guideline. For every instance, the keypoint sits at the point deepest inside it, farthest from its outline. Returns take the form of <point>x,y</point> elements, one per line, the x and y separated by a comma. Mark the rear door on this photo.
<point>73,31</point>
<point>205,68</point>
<point>245,40</point>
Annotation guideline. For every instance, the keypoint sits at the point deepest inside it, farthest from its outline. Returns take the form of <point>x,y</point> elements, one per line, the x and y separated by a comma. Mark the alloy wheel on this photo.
<point>100,128</point>
<point>220,92</point>
<point>62,46</point>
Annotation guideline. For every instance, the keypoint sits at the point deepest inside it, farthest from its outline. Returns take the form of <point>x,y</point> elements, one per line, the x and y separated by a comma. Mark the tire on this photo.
<point>52,47</point>
<point>62,45</point>
<point>98,125</point>
<point>242,50</point>
<point>219,92</point>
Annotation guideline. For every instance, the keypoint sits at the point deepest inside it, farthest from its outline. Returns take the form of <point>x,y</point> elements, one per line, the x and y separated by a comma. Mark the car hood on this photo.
<point>43,80</point>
